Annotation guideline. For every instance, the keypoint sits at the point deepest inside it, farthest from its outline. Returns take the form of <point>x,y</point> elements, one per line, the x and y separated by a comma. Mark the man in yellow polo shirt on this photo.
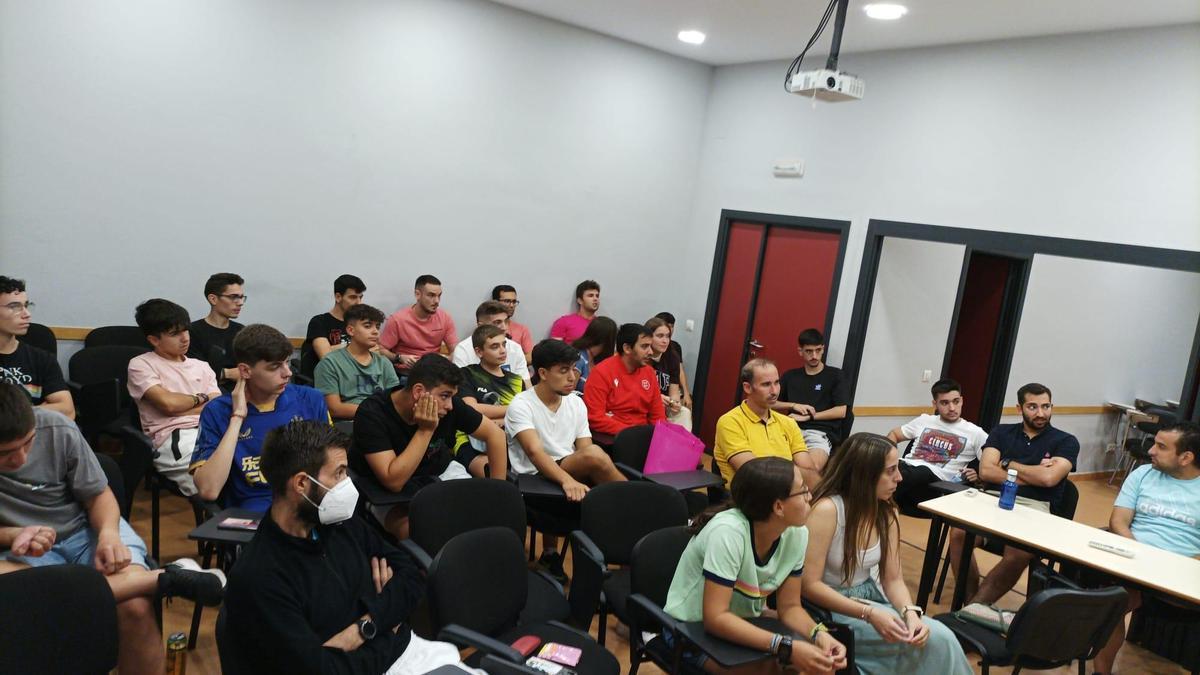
<point>754,430</point>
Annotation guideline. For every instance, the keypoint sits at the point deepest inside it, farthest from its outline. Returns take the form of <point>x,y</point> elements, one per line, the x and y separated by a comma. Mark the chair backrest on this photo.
<point>617,515</point>
<point>41,337</point>
<point>345,426</point>
<point>441,511</point>
<point>57,619</point>
<point>116,336</point>
<point>97,364</point>
<point>652,568</point>
<point>479,580</point>
<point>631,446</point>
<point>1067,501</point>
<point>1059,625</point>
<point>116,482</point>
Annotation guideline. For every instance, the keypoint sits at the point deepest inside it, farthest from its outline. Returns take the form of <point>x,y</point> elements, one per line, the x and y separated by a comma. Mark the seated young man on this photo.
<point>753,429</point>
<point>519,332</point>
<point>34,370</point>
<point>622,391</point>
<point>495,314</point>
<point>1159,505</point>
<point>327,332</point>
<point>569,327</point>
<point>233,426</point>
<point>946,444</point>
<point>1043,457</point>
<point>405,437</point>
<point>226,297</point>
<point>421,328</point>
<point>816,396</point>
<point>71,517</point>
<point>348,376</point>
<point>170,389</point>
<point>548,434</point>
<point>317,590</point>
<point>488,388</point>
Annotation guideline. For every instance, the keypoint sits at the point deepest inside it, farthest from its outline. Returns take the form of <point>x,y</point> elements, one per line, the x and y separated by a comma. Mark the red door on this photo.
<point>777,281</point>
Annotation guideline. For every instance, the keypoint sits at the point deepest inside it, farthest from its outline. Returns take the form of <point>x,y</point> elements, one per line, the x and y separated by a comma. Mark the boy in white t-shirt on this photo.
<point>548,433</point>
<point>170,389</point>
<point>944,447</point>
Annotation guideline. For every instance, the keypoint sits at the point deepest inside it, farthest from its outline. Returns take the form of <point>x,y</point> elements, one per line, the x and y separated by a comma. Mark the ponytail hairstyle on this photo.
<point>755,488</point>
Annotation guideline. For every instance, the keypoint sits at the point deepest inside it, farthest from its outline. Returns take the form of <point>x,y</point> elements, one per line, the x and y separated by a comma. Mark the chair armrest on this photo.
<point>465,637</point>
<point>948,487</point>
<point>209,509</point>
<point>630,472</point>
<point>544,575</point>
<point>417,553</point>
<point>587,581</point>
<point>494,665</point>
<point>643,603</point>
<point>584,544</point>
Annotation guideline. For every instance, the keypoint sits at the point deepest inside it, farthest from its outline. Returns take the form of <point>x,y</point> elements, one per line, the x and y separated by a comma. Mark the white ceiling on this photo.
<point>741,31</point>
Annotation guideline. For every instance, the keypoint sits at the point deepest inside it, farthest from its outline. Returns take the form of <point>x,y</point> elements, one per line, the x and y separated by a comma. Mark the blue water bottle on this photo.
<point>1008,491</point>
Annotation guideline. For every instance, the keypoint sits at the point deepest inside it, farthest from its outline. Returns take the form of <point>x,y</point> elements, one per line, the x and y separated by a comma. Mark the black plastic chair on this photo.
<point>477,591</point>
<point>116,336</point>
<point>57,619</point>
<point>116,483</point>
<point>41,337</point>
<point>1053,628</point>
<point>629,451</point>
<point>441,511</point>
<point>98,385</point>
<point>613,518</point>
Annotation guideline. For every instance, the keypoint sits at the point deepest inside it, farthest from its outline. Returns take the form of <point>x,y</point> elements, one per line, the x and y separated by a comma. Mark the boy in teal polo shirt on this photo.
<point>348,376</point>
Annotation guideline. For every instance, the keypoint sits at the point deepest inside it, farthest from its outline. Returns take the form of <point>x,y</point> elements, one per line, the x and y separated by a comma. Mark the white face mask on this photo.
<point>339,502</point>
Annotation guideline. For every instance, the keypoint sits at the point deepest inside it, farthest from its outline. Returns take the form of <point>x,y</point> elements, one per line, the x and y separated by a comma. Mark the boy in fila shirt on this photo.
<point>488,388</point>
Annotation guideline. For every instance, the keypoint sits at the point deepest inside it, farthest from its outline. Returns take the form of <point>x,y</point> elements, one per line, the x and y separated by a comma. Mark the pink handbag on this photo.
<point>672,448</point>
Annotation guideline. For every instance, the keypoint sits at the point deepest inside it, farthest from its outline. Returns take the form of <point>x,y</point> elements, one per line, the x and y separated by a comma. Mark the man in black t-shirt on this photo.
<point>34,370</point>
<point>816,396</point>
<point>225,295</point>
<point>405,437</point>
<point>327,332</point>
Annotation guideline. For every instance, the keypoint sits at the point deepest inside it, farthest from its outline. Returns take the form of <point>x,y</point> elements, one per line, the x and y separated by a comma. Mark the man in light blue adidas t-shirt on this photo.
<point>1159,505</point>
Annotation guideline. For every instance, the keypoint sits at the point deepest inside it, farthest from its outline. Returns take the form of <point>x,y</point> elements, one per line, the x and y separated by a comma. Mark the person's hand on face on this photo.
<point>425,410</point>
<point>239,399</point>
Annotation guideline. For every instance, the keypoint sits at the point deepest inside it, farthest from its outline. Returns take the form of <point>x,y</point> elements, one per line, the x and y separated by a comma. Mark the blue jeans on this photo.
<point>80,549</point>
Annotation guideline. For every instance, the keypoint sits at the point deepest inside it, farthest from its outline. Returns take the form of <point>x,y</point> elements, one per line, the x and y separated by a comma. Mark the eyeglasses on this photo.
<point>18,307</point>
<point>805,491</point>
<point>235,298</point>
<point>514,303</point>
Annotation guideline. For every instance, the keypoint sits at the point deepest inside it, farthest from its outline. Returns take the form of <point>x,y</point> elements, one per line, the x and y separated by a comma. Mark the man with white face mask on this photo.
<point>318,590</point>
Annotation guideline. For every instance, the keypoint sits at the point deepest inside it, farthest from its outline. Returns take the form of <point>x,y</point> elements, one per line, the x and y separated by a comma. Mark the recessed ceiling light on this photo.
<point>885,11</point>
<point>692,37</point>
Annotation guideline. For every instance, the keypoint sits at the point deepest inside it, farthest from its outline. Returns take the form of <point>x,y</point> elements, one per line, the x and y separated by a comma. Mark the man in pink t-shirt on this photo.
<point>569,327</point>
<point>420,329</point>
<point>517,332</point>
<point>170,389</point>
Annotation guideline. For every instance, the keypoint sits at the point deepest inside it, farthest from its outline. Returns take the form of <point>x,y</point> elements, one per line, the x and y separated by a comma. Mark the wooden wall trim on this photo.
<point>914,410</point>
<point>79,334</point>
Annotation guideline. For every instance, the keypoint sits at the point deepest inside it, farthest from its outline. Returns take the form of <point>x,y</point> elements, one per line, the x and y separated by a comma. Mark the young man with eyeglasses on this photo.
<point>507,296</point>
<point>34,370</point>
<point>225,297</point>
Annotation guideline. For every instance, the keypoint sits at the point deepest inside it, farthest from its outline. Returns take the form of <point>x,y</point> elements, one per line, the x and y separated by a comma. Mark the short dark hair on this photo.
<point>10,285</point>
<point>585,286</point>
<point>300,446</point>
<point>218,282</point>
<point>260,342</point>
<point>1034,389</point>
<point>1189,438</point>
<point>501,288</point>
<point>666,316</point>
<point>550,352</point>
<point>348,282</point>
<point>157,316</point>
<point>16,412</point>
<point>484,332</point>
<point>629,334</point>
<point>427,279</point>
<point>433,370</point>
<point>810,336</point>
<point>489,308</point>
<point>746,375</point>
<point>363,312</point>
<point>601,331</point>
<point>944,386</point>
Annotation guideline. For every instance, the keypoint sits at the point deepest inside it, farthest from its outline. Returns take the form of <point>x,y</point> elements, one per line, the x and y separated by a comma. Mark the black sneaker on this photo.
<point>184,578</point>
<point>552,563</point>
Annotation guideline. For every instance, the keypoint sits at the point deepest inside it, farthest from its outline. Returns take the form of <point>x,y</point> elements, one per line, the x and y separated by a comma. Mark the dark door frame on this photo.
<point>769,220</point>
<point>1014,245</point>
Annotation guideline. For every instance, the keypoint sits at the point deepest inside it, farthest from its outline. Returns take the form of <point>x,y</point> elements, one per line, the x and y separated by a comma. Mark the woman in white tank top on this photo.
<point>852,566</point>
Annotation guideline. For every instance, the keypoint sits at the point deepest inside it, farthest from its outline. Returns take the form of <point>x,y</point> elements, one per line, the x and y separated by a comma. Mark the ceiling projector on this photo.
<point>827,85</point>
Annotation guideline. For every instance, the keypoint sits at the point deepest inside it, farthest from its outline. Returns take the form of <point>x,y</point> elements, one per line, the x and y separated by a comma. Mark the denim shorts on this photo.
<point>80,549</point>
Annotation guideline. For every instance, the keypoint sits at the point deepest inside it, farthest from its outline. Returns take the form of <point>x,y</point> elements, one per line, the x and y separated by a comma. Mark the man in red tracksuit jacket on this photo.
<point>622,391</point>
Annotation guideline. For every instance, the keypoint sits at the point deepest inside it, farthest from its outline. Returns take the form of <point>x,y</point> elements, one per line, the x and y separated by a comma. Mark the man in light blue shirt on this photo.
<point>1159,505</point>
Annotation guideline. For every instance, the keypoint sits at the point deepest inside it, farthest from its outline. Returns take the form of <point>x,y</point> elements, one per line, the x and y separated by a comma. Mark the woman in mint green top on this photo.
<point>739,556</point>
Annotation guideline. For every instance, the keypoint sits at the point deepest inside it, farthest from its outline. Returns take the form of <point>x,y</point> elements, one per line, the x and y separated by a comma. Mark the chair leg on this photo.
<point>195,631</point>
<point>1082,666</point>
<point>942,547</point>
<point>154,519</point>
<point>532,542</point>
<point>602,626</point>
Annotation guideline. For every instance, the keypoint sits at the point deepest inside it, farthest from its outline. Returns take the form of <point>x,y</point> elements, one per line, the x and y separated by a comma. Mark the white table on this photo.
<point>979,514</point>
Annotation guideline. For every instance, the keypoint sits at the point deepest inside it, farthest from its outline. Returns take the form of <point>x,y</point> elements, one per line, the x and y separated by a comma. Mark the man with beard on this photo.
<point>1042,456</point>
<point>421,328</point>
<point>569,327</point>
<point>318,590</point>
<point>622,391</point>
<point>753,429</point>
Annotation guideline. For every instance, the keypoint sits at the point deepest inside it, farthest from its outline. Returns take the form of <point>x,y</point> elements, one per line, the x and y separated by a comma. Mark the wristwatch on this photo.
<point>1004,464</point>
<point>914,608</point>
<point>366,629</point>
<point>785,650</point>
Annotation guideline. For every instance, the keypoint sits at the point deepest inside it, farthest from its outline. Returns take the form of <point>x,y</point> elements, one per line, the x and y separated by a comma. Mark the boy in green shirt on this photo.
<point>348,376</point>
